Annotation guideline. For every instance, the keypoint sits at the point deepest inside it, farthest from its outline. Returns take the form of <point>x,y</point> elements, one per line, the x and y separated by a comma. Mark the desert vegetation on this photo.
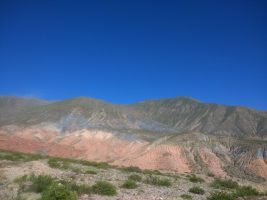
<point>104,188</point>
<point>129,184</point>
<point>195,179</point>
<point>197,190</point>
<point>186,196</point>
<point>67,179</point>
<point>224,184</point>
<point>135,177</point>
<point>154,180</point>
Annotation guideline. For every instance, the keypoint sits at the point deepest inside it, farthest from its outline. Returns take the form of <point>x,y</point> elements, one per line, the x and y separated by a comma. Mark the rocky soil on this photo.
<point>12,170</point>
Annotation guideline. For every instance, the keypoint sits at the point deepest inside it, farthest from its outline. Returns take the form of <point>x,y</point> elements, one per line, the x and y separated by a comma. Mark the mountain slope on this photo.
<point>179,134</point>
<point>168,115</point>
<point>10,106</point>
<point>185,114</point>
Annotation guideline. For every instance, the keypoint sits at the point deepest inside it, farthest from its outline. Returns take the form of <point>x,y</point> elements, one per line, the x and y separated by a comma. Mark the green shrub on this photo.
<point>82,189</point>
<point>17,156</point>
<point>132,169</point>
<point>153,180</point>
<point>129,184</point>
<point>64,163</point>
<point>40,183</point>
<point>102,165</point>
<point>59,163</point>
<point>54,163</point>
<point>90,172</point>
<point>221,196</point>
<point>195,179</point>
<point>197,190</point>
<point>263,193</point>
<point>76,170</point>
<point>186,196</point>
<point>104,188</point>
<point>224,183</point>
<point>57,191</point>
<point>246,191</point>
<point>79,189</point>
<point>135,177</point>
<point>152,172</point>
<point>21,179</point>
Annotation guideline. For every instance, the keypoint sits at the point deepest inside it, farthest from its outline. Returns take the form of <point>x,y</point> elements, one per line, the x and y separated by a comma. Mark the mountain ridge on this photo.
<point>85,98</point>
<point>171,115</point>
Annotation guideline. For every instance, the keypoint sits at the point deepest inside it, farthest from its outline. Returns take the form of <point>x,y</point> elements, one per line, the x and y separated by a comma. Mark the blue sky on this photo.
<point>128,51</point>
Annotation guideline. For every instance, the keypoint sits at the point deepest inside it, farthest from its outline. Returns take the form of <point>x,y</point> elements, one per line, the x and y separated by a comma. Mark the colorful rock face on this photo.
<point>179,134</point>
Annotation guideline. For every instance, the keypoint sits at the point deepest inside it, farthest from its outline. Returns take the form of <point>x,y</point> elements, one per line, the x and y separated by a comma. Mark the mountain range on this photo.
<point>179,134</point>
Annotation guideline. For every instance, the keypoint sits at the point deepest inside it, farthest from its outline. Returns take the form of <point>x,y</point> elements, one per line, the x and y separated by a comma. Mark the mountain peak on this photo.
<point>186,98</point>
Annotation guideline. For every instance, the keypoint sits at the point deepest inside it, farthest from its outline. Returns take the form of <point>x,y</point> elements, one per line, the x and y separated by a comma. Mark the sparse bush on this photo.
<point>246,191</point>
<point>63,164</point>
<point>195,179</point>
<point>21,179</point>
<point>210,174</point>
<point>263,193</point>
<point>54,163</point>
<point>102,165</point>
<point>104,188</point>
<point>82,189</point>
<point>132,169</point>
<point>3,177</point>
<point>224,183</point>
<point>90,172</point>
<point>40,183</point>
<point>186,196</point>
<point>221,196</point>
<point>57,191</point>
<point>76,170</point>
<point>153,180</point>
<point>152,172</point>
<point>135,177</point>
<point>129,184</point>
<point>66,164</point>
<point>197,190</point>
<point>79,189</point>
<point>16,156</point>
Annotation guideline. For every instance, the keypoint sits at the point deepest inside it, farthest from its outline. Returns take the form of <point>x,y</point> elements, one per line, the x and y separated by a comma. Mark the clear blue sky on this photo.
<point>128,51</point>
